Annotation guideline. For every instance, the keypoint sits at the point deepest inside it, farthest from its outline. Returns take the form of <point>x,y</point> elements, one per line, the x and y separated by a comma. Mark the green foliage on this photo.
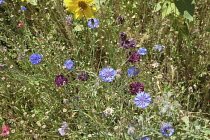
<point>186,8</point>
<point>177,78</point>
<point>33,2</point>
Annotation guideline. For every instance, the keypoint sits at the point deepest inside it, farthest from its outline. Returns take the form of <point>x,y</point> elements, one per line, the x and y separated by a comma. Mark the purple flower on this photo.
<point>93,23</point>
<point>128,43</point>
<point>83,76</point>
<point>35,58</point>
<point>69,64</point>
<point>60,79</point>
<point>23,8</point>
<point>62,129</point>
<point>121,20</point>
<point>123,36</point>
<point>159,47</point>
<point>142,100</point>
<point>136,87</point>
<point>167,129</point>
<point>133,71</point>
<point>142,51</point>
<point>69,19</point>
<point>107,74</point>
<point>133,57</point>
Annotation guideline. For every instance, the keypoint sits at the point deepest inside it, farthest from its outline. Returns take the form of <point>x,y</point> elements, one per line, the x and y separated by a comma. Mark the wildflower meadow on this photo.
<point>105,69</point>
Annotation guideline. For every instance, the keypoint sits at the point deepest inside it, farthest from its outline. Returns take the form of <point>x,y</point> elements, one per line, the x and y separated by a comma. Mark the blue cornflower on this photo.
<point>23,8</point>
<point>167,129</point>
<point>1,1</point>
<point>143,138</point>
<point>159,47</point>
<point>133,71</point>
<point>107,74</point>
<point>142,51</point>
<point>35,58</point>
<point>142,100</point>
<point>93,23</point>
<point>69,64</point>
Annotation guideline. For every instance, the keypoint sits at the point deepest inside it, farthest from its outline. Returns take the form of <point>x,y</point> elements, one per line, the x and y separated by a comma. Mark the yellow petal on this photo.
<point>78,15</point>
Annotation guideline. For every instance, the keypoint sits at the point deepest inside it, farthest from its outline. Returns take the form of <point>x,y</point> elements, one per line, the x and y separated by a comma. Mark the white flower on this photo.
<point>131,130</point>
<point>155,64</point>
<point>108,111</point>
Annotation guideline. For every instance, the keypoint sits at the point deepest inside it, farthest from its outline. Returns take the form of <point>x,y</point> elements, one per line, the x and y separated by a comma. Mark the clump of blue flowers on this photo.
<point>69,64</point>
<point>133,71</point>
<point>167,129</point>
<point>35,58</point>
<point>142,51</point>
<point>107,74</point>
<point>93,23</point>
<point>142,100</point>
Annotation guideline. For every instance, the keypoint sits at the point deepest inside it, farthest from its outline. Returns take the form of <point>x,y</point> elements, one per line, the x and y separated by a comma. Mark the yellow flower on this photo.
<point>80,8</point>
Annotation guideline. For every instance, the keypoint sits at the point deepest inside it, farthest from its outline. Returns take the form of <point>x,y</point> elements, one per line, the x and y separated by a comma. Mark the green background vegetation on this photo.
<point>31,102</point>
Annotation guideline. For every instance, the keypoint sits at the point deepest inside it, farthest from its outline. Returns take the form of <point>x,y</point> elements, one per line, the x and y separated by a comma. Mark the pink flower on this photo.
<point>5,130</point>
<point>20,24</point>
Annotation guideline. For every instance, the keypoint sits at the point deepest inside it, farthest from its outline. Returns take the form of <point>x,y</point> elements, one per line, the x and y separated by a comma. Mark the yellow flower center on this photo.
<point>82,5</point>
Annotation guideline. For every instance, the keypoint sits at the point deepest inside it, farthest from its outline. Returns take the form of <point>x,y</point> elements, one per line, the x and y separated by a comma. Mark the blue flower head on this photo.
<point>23,8</point>
<point>93,23</point>
<point>142,51</point>
<point>69,64</point>
<point>167,129</point>
<point>107,74</point>
<point>1,1</point>
<point>142,100</point>
<point>159,47</point>
<point>35,58</point>
<point>133,71</point>
<point>143,138</point>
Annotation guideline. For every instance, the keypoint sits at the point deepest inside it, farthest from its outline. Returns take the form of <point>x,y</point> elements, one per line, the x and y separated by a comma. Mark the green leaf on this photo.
<point>169,8</point>
<point>98,3</point>
<point>157,7</point>
<point>33,2</point>
<point>185,119</point>
<point>208,29</point>
<point>79,28</point>
<point>206,131</point>
<point>186,8</point>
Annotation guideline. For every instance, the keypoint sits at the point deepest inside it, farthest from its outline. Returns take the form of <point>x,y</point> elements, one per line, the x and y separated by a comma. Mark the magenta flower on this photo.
<point>60,79</point>
<point>133,57</point>
<point>136,87</point>
<point>83,76</point>
<point>126,43</point>
<point>20,24</point>
<point>5,130</point>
